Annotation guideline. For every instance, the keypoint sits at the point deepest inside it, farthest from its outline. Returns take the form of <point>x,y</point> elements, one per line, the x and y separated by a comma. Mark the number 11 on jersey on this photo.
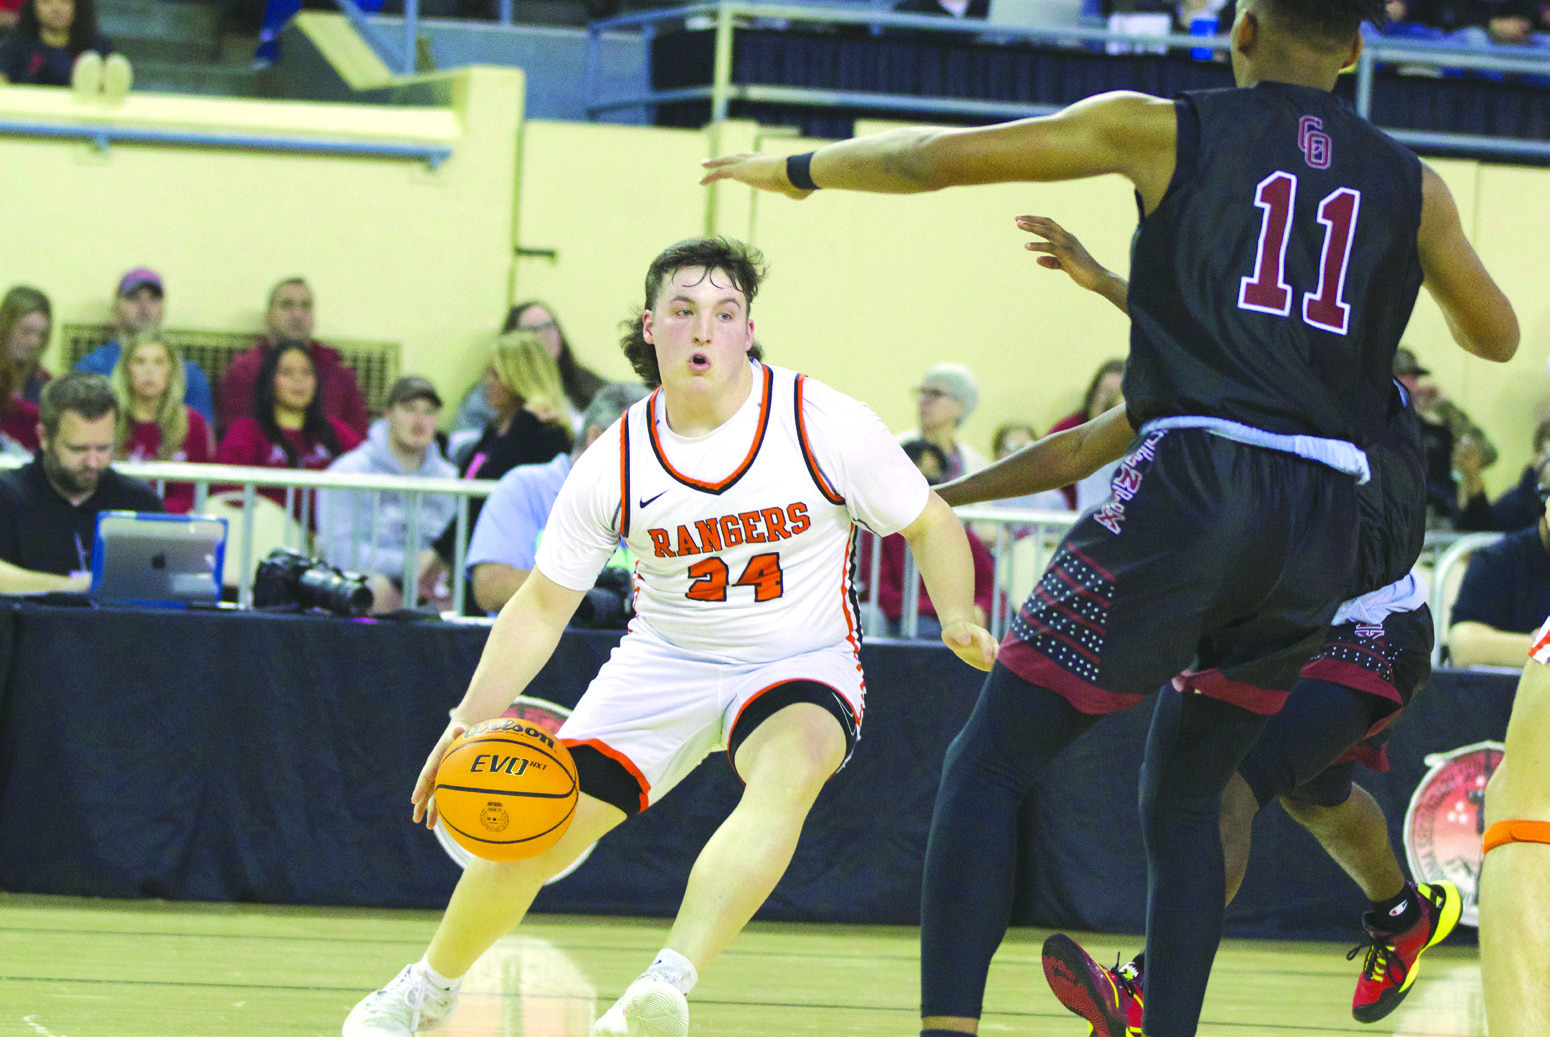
<point>1267,290</point>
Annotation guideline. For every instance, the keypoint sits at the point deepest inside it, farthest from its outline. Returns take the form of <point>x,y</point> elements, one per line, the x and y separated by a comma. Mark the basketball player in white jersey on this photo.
<point>739,487</point>
<point>1514,937</point>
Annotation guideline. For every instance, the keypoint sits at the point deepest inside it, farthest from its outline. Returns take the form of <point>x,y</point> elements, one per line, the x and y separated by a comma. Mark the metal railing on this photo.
<point>299,487</point>
<point>1022,544</point>
<point>102,135</point>
<point>1443,591</point>
<point>727,16</point>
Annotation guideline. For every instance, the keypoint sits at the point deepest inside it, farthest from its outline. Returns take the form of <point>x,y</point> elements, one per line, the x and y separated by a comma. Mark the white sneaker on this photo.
<point>86,76</point>
<point>117,77</point>
<point>650,1007</point>
<point>408,1005</point>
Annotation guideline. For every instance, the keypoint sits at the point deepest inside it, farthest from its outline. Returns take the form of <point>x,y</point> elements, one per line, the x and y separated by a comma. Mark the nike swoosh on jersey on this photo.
<point>648,500</point>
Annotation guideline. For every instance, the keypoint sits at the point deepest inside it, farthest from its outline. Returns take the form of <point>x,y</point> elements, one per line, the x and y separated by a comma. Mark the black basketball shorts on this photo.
<point>1213,564</point>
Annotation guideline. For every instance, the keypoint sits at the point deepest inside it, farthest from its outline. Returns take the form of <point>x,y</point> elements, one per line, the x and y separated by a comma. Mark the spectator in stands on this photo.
<point>401,443</point>
<point>1444,429</point>
<point>1505,595</point>
<point>48,507</point>
<point>1008,440</point>
<point>1505,23</point>
<point>581,383</point>
<point>18,417</point>
<point>10,10</point>
<point>49,38</point>
<point>1516,508</point>
<point>947,396</point>
<point>932,462</point>
<point>154,424</point>
<point>532,424</point>
<point>1104,392</point>
<point>505,542</point>
<point>290,318</point>
<point>286,426</point>
<point>26,319</point>
<point>140,303</point>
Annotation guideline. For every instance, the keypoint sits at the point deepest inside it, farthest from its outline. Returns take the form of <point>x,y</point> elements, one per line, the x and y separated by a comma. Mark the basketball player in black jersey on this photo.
<point>1282,242</point>
<point>1374,660</point>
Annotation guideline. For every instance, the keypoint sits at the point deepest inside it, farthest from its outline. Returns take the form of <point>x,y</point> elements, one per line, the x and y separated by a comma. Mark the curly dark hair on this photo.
<point>744,264</point>
<point>83,29</point>
<point>1330,21</point>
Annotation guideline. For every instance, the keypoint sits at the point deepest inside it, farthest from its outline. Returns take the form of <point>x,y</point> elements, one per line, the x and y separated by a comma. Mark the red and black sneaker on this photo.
<point>1393,959</point>
<point>1109,999</point>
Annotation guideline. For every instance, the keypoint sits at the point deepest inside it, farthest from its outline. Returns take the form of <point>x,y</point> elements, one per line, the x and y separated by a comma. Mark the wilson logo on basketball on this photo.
<point>538,720</point>
<point>1446,820</point>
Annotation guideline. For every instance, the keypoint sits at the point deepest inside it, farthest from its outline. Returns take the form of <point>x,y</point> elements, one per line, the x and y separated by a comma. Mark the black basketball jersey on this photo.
<point>1271,284</point>
<point>1392,503</point>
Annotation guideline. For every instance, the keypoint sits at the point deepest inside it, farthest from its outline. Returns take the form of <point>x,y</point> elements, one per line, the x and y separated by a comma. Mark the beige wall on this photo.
<point>864,291</point>
<point>395,250</point>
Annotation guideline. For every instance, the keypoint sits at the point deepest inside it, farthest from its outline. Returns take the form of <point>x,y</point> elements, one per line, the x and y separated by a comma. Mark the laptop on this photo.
<point>149,558</point>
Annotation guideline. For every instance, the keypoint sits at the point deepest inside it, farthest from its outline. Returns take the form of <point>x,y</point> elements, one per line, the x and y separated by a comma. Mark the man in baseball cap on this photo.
<point>947,395</point>
<point>139,302</point>
<point>369,532</point>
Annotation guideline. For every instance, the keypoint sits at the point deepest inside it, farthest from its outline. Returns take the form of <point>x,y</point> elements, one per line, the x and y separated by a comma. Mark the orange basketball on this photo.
<point>506,790</point>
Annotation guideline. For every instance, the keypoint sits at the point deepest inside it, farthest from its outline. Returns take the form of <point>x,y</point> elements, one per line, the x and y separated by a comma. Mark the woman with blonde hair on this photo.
<point>532,423</point>
<point>26,320</point>
<point>154,424</point>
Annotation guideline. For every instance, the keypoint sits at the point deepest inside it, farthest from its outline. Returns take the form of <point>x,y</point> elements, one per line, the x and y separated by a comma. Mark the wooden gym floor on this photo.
<point>104,968</point>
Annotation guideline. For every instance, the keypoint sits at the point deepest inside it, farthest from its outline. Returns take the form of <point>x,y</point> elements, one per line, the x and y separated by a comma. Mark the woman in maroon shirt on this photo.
<point>154,424</point>
<point>20,341</point>
<point>287,428</point>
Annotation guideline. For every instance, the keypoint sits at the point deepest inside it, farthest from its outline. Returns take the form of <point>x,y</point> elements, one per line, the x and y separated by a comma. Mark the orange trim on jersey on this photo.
<point>619,758</point>
<point>789,680</point>
<point>624,477</point>
<point>824,486</point>
<point>1503,832</point>
<point>753,451</point>
<point>1536,652</point>
<point>847,603</point>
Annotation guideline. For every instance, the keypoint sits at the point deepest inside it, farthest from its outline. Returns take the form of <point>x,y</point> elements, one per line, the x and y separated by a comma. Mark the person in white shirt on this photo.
<point>738,487</point>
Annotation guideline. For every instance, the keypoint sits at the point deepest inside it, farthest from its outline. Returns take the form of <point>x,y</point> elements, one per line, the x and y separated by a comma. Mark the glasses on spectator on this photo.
<point>930,394</point>
<point>547,325</point>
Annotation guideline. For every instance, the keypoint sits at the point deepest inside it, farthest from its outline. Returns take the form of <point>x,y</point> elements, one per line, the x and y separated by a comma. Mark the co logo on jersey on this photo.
<point>1318,150</point>
<point>547,717</point>
<point>1446,820</point>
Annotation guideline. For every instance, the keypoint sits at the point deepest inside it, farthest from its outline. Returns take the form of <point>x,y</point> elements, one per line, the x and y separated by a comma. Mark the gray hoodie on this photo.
<point>346,534</point>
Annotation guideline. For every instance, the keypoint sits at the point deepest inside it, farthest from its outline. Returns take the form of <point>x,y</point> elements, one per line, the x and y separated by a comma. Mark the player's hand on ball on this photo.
<point>765,172</point>
<point>1062,251</point>
<point>423,798</point>
<point>972,643</point>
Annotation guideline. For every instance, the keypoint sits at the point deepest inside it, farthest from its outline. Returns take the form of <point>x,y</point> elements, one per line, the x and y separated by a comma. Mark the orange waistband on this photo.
<point>1516,832</point>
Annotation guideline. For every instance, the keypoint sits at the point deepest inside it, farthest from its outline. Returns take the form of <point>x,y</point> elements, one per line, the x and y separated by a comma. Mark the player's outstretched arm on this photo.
<point>1062,251</point>
<point>941,551</point>
<point>1120,132</point>
<point>521,641</point>
<point>1052,462</point>
<point>1477,311</point>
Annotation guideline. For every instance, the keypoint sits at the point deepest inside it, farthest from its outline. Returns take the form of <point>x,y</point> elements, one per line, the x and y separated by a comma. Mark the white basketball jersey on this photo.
<point>748,556</point>
<point>757,561</point>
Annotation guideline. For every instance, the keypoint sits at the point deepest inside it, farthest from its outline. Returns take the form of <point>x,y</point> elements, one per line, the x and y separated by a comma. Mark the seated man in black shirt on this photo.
<point>49,506</point>
<point>1505,595</point>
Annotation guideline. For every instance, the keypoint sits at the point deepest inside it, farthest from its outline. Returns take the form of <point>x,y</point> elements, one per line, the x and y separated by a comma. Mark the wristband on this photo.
<point>799,172</point>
